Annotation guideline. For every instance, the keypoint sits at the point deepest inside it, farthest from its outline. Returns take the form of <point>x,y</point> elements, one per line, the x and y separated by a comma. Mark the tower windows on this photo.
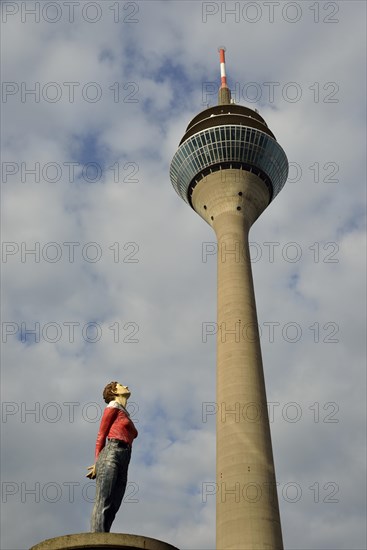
<point>229,144</point>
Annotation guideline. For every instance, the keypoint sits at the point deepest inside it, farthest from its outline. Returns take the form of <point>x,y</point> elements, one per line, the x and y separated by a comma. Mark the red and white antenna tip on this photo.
<point>222,60</point>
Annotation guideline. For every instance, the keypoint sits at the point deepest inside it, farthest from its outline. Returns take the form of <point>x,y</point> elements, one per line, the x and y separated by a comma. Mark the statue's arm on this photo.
<point>108,418</point>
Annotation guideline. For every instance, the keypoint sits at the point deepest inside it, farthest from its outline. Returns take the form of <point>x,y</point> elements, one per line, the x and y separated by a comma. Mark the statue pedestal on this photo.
<point>103,541</point>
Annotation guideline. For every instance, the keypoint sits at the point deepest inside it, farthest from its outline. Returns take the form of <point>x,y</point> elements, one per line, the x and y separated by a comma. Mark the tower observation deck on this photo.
<point>228,168</point>
<point>227,135</point>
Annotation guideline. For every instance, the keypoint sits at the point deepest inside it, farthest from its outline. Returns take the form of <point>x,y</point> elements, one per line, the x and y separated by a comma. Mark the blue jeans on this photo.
<point>111,479</point>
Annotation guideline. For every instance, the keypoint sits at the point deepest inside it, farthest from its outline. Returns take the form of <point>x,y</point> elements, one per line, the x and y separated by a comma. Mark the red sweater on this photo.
<point>116,424</point>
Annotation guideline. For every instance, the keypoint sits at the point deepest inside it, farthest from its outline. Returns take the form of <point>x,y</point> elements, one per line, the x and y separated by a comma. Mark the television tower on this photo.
<point>228,168</point>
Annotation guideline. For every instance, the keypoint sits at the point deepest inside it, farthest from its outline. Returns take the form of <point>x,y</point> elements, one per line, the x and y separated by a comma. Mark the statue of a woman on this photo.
<point>111,458</point>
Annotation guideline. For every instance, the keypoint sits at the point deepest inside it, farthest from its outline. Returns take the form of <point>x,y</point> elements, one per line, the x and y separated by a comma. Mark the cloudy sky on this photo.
<point>108,275</point>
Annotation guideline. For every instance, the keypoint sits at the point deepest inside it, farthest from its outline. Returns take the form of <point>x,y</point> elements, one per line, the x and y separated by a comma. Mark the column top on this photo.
<point>99,541</point>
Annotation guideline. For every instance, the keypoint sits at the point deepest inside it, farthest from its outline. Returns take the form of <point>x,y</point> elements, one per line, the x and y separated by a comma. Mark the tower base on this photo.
<point>103,541</point>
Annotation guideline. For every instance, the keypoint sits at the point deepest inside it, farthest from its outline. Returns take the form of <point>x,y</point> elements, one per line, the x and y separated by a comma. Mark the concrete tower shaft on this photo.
<point>247,505</point>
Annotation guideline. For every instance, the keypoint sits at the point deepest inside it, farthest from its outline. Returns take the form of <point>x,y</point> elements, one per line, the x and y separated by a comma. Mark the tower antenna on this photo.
<point>224,94</point>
